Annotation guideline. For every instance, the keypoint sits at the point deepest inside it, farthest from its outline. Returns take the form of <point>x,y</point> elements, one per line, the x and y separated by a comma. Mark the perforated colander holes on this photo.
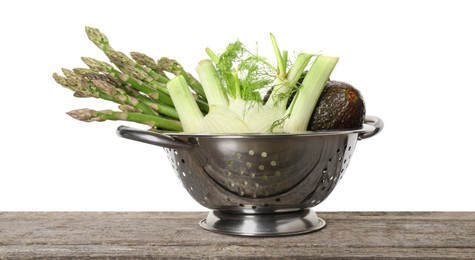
<point>250,206</point>
<point>262,165</point>
<point>203,199</point>
<point>171,157</point>
<point>242,205</point>
<point>345,161</point>
<point>323,183</point>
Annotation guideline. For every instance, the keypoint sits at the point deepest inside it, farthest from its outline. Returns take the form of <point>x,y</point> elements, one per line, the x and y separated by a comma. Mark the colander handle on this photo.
<point>150,137</point>
<point>374,121</point>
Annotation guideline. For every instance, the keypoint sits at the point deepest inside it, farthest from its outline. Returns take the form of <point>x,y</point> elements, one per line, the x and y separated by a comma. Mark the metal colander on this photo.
<point>259,184</point>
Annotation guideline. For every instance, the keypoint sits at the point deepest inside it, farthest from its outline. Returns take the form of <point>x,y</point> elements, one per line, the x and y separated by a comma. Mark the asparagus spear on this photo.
<point>175,68</point>
<point>122,97</point>
<point>116,57</point>
<point>79,89</point>
<point>104,67</point>
<point>89,115</point>
<point>147,62</point>
<point>130,70</point>
<point>121,60</point>
<point>172,66</point>
<point>143,74</point>
<point>145,79</point>
<point>124,63</point>
<point>137,85</point>
<point>90,75</point>
<point>127,108</point>
<point>101,86</point>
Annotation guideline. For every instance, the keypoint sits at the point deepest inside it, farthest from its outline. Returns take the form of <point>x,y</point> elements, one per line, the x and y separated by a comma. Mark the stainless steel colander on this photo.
<point>259,184</point>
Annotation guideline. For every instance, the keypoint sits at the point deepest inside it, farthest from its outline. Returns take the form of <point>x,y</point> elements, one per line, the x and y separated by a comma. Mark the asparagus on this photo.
<point>121,60</point>
<point>136,81</point>
<point>146,61</point>
<point>79,89</point>
<point>144,78</point>
<point>90,75</point>
<point>101,86</point>
<point>175,68</point>
<point>116,57</point>
<point>89,115</point>
<point>104,67</point>
<point>122,97</point>
<point>141,76</point>
<point>137,84</point>
<point>127,108</point>
<point>146,75</point>
<point>98,38</point>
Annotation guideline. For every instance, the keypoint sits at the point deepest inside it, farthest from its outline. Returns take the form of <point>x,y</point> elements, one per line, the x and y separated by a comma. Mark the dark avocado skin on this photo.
<point>340,107</point>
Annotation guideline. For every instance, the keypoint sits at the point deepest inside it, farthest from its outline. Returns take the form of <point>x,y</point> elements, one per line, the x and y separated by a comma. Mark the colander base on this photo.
<point>272,224</point>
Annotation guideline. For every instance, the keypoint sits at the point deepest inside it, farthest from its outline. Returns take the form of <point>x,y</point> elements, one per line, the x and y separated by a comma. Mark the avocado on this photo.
<point>340,107</point>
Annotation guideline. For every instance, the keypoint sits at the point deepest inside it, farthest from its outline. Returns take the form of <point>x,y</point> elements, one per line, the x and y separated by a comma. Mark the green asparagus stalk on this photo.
<point>121,60</point>
<point>144,78</point>
<point>175,68</point>
<point>73,81</point>
<point>104,67</point>
<point>137,84</point>
<point>123,98</point>
<point>139,75</point>
<point>144,60</point>
<point>90,75</point>
<point>144,75</point>
<point>116,57</point>
<point>127,108</point>
<point>101,86</point>
<point>79,90</point>
<point>89,115</point>
<point>99,89</point>
<point>147,62</point>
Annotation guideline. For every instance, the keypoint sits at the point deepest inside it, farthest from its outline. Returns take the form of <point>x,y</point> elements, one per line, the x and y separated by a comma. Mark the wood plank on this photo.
<point>177,234</point>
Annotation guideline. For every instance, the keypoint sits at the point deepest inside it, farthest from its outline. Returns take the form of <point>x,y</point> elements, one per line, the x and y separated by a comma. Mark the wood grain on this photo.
<point>141,235</point>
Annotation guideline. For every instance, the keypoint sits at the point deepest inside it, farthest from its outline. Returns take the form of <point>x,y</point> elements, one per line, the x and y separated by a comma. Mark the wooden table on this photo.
<point>177,234</point>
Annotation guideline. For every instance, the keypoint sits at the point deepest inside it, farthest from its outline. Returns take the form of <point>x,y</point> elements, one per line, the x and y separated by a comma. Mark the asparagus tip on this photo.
<point>144,60</point>
<point>68,73</point>
<point>83,114</point>
<point>98,38</point>
<point>170,65</point>
<point>84,94</point>
<point>60,79</point>
<point>104,87</point>
<point>87,115</point>
<point>154,95</point>
<point>128,108</point>
<point>82,71</point>
<point>88,61</point>
<point>96,65</point>
<point>56,76</point>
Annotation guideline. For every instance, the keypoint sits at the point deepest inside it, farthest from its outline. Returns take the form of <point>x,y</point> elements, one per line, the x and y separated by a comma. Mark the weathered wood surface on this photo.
<point>177,235</point>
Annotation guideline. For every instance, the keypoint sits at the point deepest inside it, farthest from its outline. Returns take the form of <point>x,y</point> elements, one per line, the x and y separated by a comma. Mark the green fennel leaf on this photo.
<point>254,72</point>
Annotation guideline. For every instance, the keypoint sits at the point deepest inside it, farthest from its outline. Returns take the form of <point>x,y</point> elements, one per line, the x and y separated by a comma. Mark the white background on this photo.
<point>413,61</point>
